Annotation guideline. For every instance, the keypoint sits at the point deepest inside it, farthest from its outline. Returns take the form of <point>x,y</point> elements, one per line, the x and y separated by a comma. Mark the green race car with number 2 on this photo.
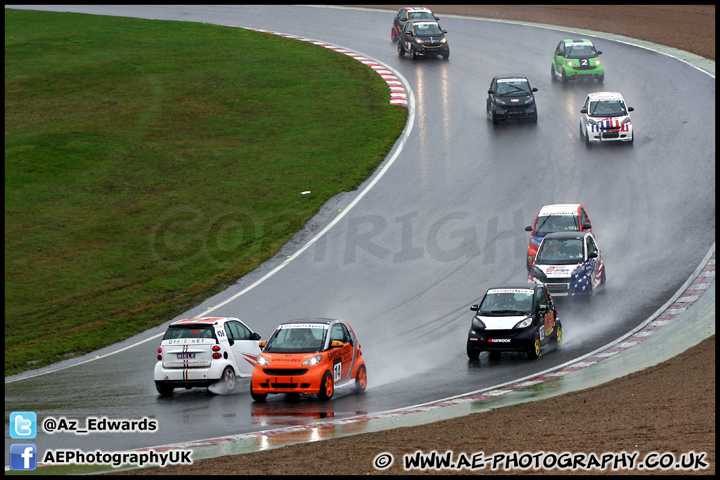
<point>575,60</point>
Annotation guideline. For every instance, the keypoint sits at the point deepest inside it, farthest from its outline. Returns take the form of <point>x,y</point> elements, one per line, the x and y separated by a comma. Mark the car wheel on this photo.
<point>602,277</point>
<point>471,352</point>
<point>552,72</point>
<point>535,347</point>
<point>557,339</point>
<point>393,35</point>
<point>632,138</point>
<point>258,397</point>
<point>564,77</point>
<point>164,390</point>
<point>327,387</point>
<point>589,292</point>
<point>494,118</point>
<point>228,378</point>
<point>587,138</point>
<point>447,55</point>
<point>534,119</point>
<point>401,50</point>
<point>361,380</point>
<point>413,55</point>
<point>601,78</point>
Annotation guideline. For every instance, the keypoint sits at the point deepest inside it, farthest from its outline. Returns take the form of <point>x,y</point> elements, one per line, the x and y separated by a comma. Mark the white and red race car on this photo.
<point>199,352</point>
<point>605,118</point>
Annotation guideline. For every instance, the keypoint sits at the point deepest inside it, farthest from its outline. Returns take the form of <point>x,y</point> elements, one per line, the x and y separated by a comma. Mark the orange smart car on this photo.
<point>310,357</point>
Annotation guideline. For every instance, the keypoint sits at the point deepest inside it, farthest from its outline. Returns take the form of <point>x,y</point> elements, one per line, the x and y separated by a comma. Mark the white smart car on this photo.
<point>198,352</point>
<point>605,118</point>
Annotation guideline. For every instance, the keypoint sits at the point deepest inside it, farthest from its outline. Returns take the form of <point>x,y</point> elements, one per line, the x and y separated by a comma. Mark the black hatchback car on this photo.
<point>511,97</point>
<point>423,38</point>
<point>409,13</point>
<point>514,318</point>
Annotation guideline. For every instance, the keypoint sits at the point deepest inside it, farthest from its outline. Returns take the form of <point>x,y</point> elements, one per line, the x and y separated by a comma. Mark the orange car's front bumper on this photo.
<point>305,379</point>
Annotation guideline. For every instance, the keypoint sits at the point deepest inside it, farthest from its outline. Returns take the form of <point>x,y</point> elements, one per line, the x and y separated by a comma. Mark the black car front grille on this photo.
<point>285,371</point>
<point>284,385</point>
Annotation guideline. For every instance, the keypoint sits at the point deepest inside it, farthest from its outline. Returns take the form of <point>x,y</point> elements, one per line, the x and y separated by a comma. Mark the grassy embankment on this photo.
<point>148,164</point>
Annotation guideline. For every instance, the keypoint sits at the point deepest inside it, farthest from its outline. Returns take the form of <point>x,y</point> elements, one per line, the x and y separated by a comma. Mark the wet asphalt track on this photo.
<point>445,222</point>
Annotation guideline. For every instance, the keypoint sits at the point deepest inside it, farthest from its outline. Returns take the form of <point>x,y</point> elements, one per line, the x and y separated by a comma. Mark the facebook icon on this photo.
<point>23,456</point>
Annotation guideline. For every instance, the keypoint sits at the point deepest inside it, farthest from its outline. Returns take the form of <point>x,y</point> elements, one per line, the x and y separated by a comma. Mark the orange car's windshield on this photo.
<point>297,339</point>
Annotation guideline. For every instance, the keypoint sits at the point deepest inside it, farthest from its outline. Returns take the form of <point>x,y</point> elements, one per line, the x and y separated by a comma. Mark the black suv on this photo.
<point>511,97</point>
<point>514,318</point>
<point>423,38</point>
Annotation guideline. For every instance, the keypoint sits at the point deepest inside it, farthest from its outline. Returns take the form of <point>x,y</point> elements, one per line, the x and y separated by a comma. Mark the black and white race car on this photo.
<point>514,318</point>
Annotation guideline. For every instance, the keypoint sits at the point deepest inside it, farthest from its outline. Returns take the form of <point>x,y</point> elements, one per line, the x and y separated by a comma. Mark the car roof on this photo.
<point>423,21</point>
<point>322,321</point>
<point>417,9</point>
<point>562,235</point>
<point>583,41</point>
<point>514,286</point>
<point>203,321</point>
<point>559,209</point>
<point>594,97</point>
<point>511,75</point>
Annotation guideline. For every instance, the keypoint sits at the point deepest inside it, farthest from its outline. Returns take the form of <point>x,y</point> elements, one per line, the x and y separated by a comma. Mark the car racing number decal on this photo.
<point>584,62</point>
<point>337,369</point>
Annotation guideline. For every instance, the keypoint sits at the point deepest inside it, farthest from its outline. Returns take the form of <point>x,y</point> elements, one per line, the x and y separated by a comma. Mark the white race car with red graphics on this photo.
<point>605,118</point>
<point>199,352</point>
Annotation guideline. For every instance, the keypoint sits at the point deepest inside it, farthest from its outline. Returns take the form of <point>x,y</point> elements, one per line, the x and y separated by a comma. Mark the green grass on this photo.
<point>149,164</point>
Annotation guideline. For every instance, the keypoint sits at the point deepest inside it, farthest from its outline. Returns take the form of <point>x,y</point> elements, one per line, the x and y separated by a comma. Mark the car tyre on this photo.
<point>535,346</point>
<point>601,78</point>
<point>164,390</point>
<point>361,380</point>
<point>552,72</point>
<point>401,50</point>
<point>589,293</point>
<point>258,397</point>
<point>587,139</point>
<point>471,352</point>
<point>632,138</point>
<point>494,118</point>
<point>327,387</point>
<point>564,77</point>
<point>393,35</point>
<point>557,338</point>
<point>412,54</point>
<point>602,277</point>
<point>228,378</point>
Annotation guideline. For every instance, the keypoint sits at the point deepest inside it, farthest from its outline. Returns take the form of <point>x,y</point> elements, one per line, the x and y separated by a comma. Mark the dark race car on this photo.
<point>423,38</point>
<point>511,97</point>
<point>409,13</point>
<point>514,318</point>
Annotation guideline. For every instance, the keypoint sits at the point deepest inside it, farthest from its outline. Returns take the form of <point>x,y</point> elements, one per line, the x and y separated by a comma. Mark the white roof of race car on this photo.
<point>594,97</point>
<point>577,42</point>
<point>560,209</point>
<point>417,9</point>
<point>207,320</point>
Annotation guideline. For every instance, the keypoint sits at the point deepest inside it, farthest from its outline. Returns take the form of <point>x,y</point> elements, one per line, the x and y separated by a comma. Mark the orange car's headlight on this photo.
<point>313,360</point>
